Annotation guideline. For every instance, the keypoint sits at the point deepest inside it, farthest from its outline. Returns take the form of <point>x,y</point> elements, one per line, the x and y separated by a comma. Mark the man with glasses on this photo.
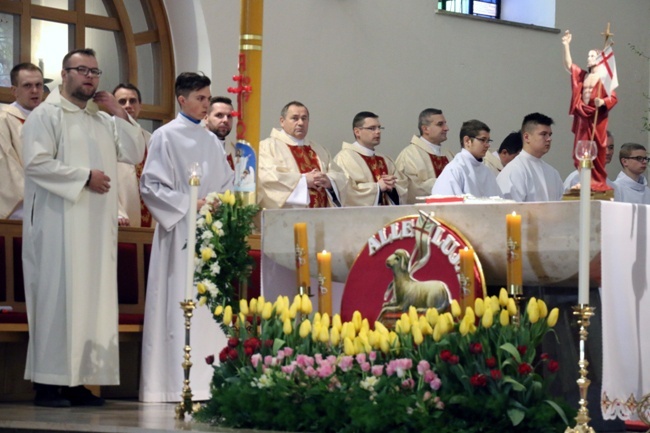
<point>573,178</point>
<point>631,185</point>
<point>422,161</point>
<point>71,149</point>
<point>27,89</point>
<point>295,172</point>
<point>466,173</point>
<point>527,177</point>
<point>373,179</point>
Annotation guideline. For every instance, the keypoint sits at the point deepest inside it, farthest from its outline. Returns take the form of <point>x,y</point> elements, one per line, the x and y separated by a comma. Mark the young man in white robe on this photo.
<point>631,186</point>
<point>71,151</point>
<point>422,161</point>
<point>295,172</point>
<point>373,179</point>
<point>466,174</point>
<point>166,192</point>
<point>527,178</point>
<point>27,89</point>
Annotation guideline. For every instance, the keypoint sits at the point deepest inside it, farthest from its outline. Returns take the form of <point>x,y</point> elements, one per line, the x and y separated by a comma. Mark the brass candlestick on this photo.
<point>584,312</point>
<point>514,290</point>
<point>185,405</point>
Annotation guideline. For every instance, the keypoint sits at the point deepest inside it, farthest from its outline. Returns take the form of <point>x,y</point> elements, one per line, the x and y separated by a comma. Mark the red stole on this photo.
<point>230,162</point>
<point>307,160</point>
<point>439,162</point>
<point>378,167</point>
<point>145,215</point>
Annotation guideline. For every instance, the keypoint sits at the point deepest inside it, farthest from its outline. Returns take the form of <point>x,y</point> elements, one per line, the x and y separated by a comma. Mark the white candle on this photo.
<point>191,228</point>
<point>585,224</point>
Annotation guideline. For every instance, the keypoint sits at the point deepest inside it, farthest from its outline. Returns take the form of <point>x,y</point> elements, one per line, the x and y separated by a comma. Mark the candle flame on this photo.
<point>514,213</point>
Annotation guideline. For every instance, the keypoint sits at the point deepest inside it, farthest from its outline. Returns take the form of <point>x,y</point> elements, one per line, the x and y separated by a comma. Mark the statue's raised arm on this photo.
<point>566,41</point>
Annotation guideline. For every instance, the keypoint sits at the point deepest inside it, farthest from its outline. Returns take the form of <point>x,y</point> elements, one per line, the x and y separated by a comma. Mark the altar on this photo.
<point>549,255</point>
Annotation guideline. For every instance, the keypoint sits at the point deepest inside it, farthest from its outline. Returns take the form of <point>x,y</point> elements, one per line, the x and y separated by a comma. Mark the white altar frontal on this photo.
<point>549,254</point>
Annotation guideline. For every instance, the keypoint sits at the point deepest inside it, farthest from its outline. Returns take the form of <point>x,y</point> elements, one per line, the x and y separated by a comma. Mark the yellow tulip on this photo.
<point>365,326</point>
<point>512,307</point>
<point>464,327</point>
<point>305,305</point>
<point>347,330</point>
<point>208,218</point>
<point>413,314</point>
<point>359,347</point>
<point>304,330</point>
<point>469,314</point>
<point>393,340</point>
<point>437,336</point>
<point>252,306</point>
<point>218,310</point>
<point>418,338</point>
<point>356,320</point>
<point>494,303</point>
<point>432,316</point>
<point>324,335</point>
<point>293,310</point>
<point>227,315</point>
<point>543,309</point>
<point>336,322</point>
<point>373,339</point>
<point>504,318</point>
<point>206,254</point>
<point>335,336</point>
<point>503,297</point>
<point>552,317</point>
<point>348,347</point>
<point>450,322</point>
<point>455,308</point>
<point>384,345</point>
<point>403,324</point>
<point>379,327</point>
<point>267,310</point>
<point>286,327</point>
<point>297,302</point>
<point>315,330</point>
<point>200,287</point>
<point>479,307</point>
<point>325,320</point>
<point>424,326</point>
<point>243,306</point>
<point>532,310</point>
<point>261,302</point>
<point>488,318</point>
<point>279,306</point>
<point>202,301</point>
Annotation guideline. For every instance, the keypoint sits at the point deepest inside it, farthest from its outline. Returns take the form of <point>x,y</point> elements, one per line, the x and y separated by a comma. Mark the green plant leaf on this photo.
<point>516,416</point>
<point>558,409</point>
<point>511,349</point>
<point>515,385</point>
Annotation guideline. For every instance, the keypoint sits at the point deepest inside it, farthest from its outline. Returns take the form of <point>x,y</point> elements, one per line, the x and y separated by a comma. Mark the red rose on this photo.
<point>209,359</point>
<point>525,369</point>
<point>233,342</point>
<point>445,355</point>
<point>223,355</point>
<point>491,362</point>
<point>232,354</point>
<point>553,366</point>
<point>248,351</point>
<point>543,356</point>
<point>478,380</point>
<point>476,348</point>
<point>495,374</point>
<point>453,360</point>
<point>522,350</point>
<point>254,343</point>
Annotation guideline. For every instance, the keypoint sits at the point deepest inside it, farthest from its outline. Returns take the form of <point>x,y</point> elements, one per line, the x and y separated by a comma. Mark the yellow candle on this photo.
<point>467,271</point>
<point>325,281</point>
<point>302,255</point>
<point>513,239</point>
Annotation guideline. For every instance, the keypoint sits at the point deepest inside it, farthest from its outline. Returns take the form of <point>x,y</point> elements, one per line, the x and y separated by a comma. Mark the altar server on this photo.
<point>466,173</point>
<point>528,178</point>
<point>631,186</point>
<point>166,191</point>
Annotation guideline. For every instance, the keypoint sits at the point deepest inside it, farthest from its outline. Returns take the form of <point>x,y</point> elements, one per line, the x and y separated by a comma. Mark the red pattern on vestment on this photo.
<point>378,167</point>
<point>307,160</point>
<point>439,162</point>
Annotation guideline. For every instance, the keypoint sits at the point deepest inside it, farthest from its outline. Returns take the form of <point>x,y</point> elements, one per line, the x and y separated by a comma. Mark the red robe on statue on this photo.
<point>583,123</point>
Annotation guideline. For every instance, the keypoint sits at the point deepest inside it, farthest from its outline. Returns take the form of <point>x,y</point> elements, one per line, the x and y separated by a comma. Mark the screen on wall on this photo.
<point>485,8</point>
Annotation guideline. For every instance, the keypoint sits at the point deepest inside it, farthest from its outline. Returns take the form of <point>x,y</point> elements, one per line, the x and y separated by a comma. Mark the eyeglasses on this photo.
<point>484,140</point>
<point>86,71</point>
<point>637,158</point>
<point>372,128</point>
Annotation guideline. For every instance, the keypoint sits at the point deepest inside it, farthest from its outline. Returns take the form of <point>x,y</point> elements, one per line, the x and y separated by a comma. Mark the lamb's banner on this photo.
<point>414,260</point>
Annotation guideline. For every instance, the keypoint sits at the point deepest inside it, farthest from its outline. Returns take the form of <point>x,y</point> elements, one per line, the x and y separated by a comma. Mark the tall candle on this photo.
<point>467,271</point>
<point>583,246</point>
<point>302,257</point>
<point>191,234</point>
<point>325,281</point>
<point>513,239</point>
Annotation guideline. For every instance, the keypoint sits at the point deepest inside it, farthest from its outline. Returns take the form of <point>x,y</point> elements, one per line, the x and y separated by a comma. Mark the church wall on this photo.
<point>396,58</point>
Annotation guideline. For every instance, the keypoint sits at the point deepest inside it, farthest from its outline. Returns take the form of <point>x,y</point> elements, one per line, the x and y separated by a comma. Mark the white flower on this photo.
<point>369,383</point>
<point>200,223</point>
<point>215,268</point>
<point>211,287</point>
<point>264,381</point>
<point>211,198</point>
<point>206,235</point>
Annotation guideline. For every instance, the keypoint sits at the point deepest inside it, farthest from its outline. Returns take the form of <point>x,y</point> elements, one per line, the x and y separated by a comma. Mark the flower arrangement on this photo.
<point>222,259</point>
<point>285,368</point>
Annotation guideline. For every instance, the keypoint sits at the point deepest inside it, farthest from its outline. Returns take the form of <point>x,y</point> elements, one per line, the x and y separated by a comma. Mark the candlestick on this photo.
<point>467,274</point>
<point>514,273</point>
<point>302,257</point>
<point>194,170</point>
<point>325,282</point>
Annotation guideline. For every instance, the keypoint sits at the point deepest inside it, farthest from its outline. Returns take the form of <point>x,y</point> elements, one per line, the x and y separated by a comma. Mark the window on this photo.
<point>131,38</point>
<point>532,12</point>
<point>481,8</point>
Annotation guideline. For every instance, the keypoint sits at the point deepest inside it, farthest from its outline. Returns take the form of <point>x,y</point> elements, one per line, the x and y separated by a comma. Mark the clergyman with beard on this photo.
<point>71,150</point>
<point>219,122</point>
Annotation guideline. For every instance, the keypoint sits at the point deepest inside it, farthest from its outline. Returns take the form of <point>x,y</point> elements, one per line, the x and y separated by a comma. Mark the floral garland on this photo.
<point>222,259</point>
<point>286,369</point>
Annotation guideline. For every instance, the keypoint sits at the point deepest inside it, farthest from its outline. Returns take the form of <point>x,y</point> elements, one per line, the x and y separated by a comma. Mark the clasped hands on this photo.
<point>387,182</point>
<point>318,180</point>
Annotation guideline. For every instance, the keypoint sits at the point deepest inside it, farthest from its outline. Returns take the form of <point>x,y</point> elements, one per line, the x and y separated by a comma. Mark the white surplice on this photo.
<point>166,192</point>
<point>528,178</point>
<point>466,175</point>
<point>70,241</point>
<point>128,194</point>
<point>628,190</point>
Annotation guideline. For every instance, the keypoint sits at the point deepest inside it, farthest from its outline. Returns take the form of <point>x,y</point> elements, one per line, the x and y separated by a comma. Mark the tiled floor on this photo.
<point>117,416</point>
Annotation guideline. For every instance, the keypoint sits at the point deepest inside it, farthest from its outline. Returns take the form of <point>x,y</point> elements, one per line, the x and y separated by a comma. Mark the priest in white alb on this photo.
<point>166,192</point>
